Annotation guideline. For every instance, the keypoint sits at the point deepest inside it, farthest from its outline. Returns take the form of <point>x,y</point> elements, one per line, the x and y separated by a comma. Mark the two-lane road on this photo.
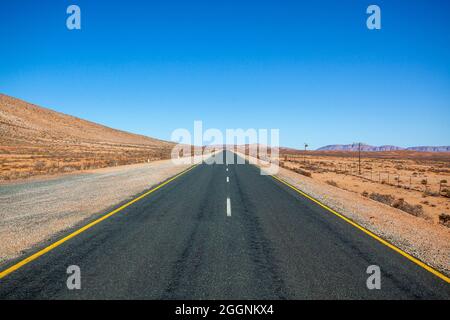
<point>218,233</point>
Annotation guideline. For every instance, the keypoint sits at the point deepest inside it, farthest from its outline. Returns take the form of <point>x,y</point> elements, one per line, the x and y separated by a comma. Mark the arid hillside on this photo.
<point>39,141</point>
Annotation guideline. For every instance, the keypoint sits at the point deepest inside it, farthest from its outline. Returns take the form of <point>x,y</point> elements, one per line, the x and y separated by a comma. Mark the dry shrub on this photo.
<point>332,183</point>
<point>67,169</point>
<point>401,204</point>
<point>445,192</point>
<point>444,219</point>
<point>302,172</point>
<point>415,210</point>
<point>383,198</point>
<point>39,165</point>
<point>297,170</point>
<point>429,193</point>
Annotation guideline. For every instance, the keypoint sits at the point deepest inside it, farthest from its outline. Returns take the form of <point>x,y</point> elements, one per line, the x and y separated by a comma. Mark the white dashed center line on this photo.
<point>228,179</point>
<point>228,207</point>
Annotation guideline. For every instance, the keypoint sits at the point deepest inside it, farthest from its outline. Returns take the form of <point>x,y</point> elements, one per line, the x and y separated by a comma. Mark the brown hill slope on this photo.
<point>36,140</point>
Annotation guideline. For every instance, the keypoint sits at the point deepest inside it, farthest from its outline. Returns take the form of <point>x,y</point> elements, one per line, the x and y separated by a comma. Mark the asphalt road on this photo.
<point>181,242</point>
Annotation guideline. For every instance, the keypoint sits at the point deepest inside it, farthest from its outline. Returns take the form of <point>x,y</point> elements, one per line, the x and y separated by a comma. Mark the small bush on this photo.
<point>446,192</point>
<point>332,183</point>
<point>430,193</point>
<point>39,165</point>
<point>383,198</point>
<point>415,210</point>
<point>401,204</point>
<point>365,194</point>
<point>444,219</point>
<point>67,169</point>
<point>302,172</point>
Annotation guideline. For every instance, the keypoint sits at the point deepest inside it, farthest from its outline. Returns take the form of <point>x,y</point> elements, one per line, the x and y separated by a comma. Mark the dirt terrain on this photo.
<point>418,183</point>
<point>38,141</point>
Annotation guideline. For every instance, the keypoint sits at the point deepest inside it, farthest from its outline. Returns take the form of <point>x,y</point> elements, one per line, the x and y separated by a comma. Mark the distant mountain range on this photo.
<point>366,147</point>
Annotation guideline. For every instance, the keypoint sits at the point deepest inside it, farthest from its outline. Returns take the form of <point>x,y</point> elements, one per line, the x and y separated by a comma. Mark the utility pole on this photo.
<point>304,156</point>
<point>359,156</point>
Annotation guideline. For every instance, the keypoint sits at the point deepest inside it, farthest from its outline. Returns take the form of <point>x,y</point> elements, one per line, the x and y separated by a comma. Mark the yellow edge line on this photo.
<point>25,261</point>
<point>398,250</point>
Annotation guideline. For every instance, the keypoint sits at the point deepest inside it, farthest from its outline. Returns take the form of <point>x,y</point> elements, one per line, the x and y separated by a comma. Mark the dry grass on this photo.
<point>414,182</point>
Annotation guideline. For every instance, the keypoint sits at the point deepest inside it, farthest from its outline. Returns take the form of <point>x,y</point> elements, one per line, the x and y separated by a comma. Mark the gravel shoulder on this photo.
<point>35,211</point>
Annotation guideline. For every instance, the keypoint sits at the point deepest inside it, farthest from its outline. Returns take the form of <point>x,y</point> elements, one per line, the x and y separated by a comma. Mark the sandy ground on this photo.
<point>32,212</point>
<point>422,239</point>
<point>399,178</point>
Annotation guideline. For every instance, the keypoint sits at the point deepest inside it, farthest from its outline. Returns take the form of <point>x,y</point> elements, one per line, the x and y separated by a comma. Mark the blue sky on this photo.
<point>311,69</point>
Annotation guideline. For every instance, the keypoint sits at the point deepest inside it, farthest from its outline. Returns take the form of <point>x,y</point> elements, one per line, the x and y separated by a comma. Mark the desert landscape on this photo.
<point>415,182</point>
<point>36,141</point>
<point>401,194</point>
<point>225,159</point>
